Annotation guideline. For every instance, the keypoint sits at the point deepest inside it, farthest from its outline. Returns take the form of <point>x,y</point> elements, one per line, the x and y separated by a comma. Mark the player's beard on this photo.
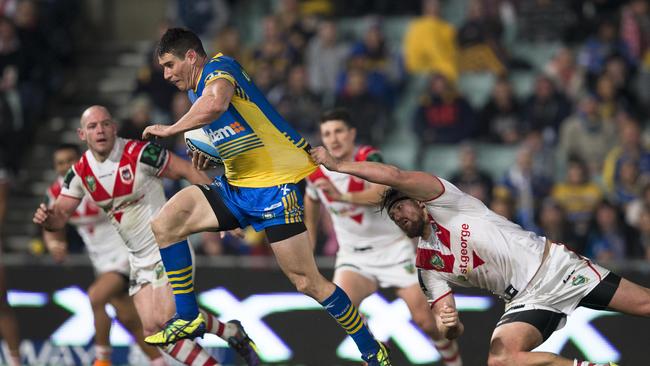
<point>415,228</point>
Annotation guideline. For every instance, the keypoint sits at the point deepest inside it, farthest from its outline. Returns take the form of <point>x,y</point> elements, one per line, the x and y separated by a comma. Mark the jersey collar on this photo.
<point>198,78</point>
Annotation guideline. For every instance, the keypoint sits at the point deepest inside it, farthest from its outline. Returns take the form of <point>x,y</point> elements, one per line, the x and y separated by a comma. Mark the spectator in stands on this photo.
<point>372,54</point>
<point>139,118</point>
<point>644,231</point>
<point>602,45</point>
<point>544,154</point>
<point>563,70</point>
<point>151,82</point>
<point>500,119</point>
<point>578,195</point>
<point>203,17</point>
<point>37,63</point>
<point>504,206</point>
<point>263,77</point>
<point>525,187</point>
<point>325,58</point>
<point>586,136</point>
<point>635,28</point>
<point>479,42</point>
<point>11,123</point>
<point>545,109</point>
<point>298,26</point>
<point>610,238</point>
<point>629,148</point>
<point>368,112</point>
<point>470,178</point>
<point>628,186</point>
<point>633,209</point>
<point>430,44</point>
<point>444,116</point>
<point>229,42</point>
<point>274,50</point>
<point>543,20</point>
<point>610,103</point>
<point>553,224</point>
<point>296,103</point>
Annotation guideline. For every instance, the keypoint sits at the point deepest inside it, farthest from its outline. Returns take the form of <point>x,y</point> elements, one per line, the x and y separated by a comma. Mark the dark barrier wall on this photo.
<point>290,329</point>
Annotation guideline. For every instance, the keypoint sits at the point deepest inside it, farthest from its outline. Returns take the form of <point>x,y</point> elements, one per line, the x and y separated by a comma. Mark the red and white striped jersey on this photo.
<point>127,187</point>
<point>471,246</point>
<point>105,246</point>
<point>357,227</point>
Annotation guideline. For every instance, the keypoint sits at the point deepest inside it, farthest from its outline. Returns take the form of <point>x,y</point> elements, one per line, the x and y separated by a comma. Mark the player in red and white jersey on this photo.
<point>123,177</point>
<point>463,243</point>
<point>373,251</point>
<point>109,257</point>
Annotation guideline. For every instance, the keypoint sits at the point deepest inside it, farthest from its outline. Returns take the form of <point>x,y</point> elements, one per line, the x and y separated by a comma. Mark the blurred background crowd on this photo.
<point>539,108</point>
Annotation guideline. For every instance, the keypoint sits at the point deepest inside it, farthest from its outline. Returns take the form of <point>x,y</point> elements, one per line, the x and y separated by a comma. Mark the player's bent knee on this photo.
<point>97,301</point>
<point>168,228</point>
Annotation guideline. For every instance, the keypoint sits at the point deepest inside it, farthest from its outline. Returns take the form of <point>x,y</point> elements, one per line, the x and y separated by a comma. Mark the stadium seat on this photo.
<point>537,54</point>
<point>476,87</point>
<point>522,83</point>
<point>441,160</point>
<point>495,159</point>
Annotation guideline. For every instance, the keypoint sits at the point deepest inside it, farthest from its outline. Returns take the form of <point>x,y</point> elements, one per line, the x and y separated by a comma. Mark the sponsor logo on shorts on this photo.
<point>273,206</point>
<point>268,215</point>
<point>90,181</point>
<point>579,280</point>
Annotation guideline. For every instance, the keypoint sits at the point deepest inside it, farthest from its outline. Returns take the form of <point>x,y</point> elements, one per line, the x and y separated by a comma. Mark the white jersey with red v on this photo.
<point>126,186</point>
<point>91,222</point>
<point>356,226</point>
<point>472,246</point>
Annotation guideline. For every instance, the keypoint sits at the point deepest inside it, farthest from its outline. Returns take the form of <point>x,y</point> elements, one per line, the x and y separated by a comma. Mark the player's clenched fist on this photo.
<point>41,214</point>
<point>449,317</point>
<point>322,156</point>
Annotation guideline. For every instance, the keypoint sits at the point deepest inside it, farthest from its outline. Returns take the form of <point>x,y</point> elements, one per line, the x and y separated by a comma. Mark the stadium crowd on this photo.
<point>577,119</point>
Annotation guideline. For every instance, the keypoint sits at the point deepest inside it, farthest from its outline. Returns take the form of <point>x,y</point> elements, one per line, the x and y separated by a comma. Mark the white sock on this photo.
<point>216,327</point>
<point>103,352</point>
<point>189,353</point>
<point>448,349</point>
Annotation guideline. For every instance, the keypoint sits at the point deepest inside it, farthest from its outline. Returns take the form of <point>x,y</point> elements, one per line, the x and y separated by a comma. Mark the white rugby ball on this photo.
<point>199,141</point>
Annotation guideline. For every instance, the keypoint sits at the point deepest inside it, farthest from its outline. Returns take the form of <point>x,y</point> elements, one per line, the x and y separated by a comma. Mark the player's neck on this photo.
<point>100,157</point>
<point>196,72</point>
<point>427,231</point>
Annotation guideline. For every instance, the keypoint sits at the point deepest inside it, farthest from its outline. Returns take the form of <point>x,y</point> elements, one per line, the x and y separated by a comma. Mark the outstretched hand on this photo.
<point>322,156</point>
<point>41,215</point>
<point>154,131</point>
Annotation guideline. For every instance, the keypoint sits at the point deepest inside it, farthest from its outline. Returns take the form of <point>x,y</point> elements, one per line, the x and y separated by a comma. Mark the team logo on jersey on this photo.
<point>126,174</point>
<point>410,268</point>
<point>437,263</point>
<point>579,280</point>
<point>90,182</point>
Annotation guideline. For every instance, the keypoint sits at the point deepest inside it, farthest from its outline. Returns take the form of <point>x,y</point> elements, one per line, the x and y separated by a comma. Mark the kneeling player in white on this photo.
<point>123,178</point>
<point>110,259</point>
<point>463,243</point>
<point>373,252</point>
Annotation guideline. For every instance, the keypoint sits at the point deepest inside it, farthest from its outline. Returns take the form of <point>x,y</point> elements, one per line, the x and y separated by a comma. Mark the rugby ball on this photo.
<point>199,141</point>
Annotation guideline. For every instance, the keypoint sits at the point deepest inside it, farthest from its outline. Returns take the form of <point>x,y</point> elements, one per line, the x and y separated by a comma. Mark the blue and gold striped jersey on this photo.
<point>257,146</point>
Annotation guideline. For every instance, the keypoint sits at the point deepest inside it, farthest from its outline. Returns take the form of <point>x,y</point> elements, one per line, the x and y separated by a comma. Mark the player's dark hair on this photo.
<point>391,196</point>
<point>337,114</point>
<point>177,41</point>
<point>66,146</point>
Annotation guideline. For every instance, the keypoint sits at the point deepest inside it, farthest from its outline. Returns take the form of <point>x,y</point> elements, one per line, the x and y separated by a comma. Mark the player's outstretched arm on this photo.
<point>54,218</point>
<point>56,244</point>
<point>447,319</point>
<point>417,185</point>
<point>179,168</point>
<point>208,107</point>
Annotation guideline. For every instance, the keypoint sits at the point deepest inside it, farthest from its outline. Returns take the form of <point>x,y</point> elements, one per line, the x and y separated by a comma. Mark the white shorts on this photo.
<point>562,281</point>
<point>391,266</point>
<point>144,270</point>
<point>116,259</point>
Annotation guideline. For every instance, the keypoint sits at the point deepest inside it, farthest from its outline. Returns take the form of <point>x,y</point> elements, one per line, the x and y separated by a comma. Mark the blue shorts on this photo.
<point>262,207</point>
